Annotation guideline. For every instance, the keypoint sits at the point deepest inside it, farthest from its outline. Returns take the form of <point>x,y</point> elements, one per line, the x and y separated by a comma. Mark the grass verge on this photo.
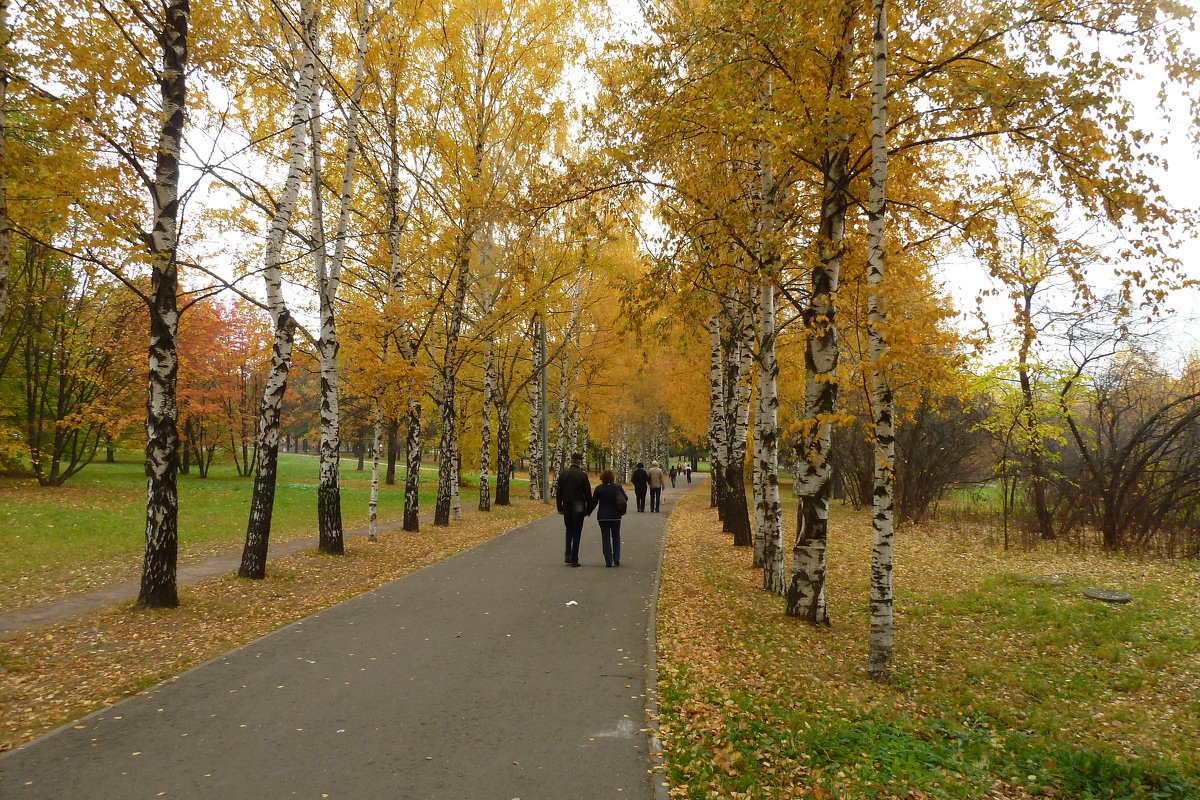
<point>1003,687</point>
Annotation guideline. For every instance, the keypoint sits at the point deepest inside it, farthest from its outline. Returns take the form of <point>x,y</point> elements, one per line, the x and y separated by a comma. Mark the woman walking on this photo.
<point>611,500</point>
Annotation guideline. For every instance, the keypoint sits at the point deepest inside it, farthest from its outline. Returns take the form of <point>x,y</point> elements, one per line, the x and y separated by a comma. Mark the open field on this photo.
<point>1004,688</point>
<point>90,532</point>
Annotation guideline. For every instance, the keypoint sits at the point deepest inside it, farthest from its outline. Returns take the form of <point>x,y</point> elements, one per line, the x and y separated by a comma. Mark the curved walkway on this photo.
<point>498,673</point>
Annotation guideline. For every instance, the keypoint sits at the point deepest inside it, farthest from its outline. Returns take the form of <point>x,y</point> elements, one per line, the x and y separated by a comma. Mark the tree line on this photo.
<point>442,209</point>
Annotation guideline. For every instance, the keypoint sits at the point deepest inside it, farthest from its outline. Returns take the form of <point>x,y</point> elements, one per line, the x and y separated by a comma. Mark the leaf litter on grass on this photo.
<point>1002,689</point>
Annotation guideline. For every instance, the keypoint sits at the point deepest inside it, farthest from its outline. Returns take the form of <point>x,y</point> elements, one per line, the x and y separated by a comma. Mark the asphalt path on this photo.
<point>497,673</point>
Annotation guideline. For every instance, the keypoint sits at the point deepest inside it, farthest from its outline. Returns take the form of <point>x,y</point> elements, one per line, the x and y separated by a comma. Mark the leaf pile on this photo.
<point>1004,687</point>
<point>59,673</point>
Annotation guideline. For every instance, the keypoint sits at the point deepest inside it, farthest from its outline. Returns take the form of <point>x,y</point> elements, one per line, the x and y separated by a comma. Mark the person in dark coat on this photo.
<point>572,495</point>
<point>609,501</point>
<point>641,479</point>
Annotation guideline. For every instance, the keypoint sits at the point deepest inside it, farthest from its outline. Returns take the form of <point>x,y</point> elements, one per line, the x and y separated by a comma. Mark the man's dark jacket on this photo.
<point>640,479</point>
<point>574,492</point>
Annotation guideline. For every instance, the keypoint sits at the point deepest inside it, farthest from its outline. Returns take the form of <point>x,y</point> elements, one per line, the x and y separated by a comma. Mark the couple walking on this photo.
<point>652,479</point>
<point>576,502</point>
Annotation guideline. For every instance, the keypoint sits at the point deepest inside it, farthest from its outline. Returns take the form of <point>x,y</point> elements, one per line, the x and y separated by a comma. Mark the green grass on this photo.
<point>58,540</point>
<point>1003,688</point>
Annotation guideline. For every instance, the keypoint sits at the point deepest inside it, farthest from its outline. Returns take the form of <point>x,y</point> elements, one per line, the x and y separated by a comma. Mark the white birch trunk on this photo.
<point>806,590</point>
<point>880,657</point>
<point>456,459</point>
<point>412,468</point>
<point>329,511</point>
<point>739,361</point>
<point>258,525</point>
<point>485,427</point>
<point>771,512</point>
<point>768,506</point>
<point>5,224</point>
<point>373,503</point>
<point>158,585</point>
<point>716,412</point>
<point>537,407</point>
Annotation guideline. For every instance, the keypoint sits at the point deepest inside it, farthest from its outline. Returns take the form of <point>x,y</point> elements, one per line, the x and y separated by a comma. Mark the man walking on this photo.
<point>640,481</point>
<point>656,486</point>
<point>572,495</point>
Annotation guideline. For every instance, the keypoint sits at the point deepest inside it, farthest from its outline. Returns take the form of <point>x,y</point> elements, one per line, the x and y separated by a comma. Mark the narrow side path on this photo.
<point>498,673</point>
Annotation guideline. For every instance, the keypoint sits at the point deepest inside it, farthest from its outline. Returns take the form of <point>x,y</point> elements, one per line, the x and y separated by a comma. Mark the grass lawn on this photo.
<point>1004,688</point>
<point>90,532</point>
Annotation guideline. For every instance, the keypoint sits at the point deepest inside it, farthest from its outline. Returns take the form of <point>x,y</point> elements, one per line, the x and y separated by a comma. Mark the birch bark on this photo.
<point>739,361</point>
<point>412,468</point>
<point>485,426</point>
<point>329,497</point>
<point>716,414</point>
<point>258,526</point>
<point>504,469</point>
<point>806,590</point>
<point>880,655</point>
<point>769,508</point>
<point>447,449</point>
<point>5,224</point>
<point>537,407</point>
<point>158,585</point>
<point>373,502</point>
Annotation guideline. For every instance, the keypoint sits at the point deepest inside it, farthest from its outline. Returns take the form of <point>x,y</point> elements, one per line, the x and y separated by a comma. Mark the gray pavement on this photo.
<point>498,673</point>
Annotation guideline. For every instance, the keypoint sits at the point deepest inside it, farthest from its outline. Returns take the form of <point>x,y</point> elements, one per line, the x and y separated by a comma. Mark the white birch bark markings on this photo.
<point>158,584</point>
<point>258,525</point>
<point>882,520</point>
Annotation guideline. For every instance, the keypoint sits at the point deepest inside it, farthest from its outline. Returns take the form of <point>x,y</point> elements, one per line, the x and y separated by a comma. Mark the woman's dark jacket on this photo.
<point>605,496</point>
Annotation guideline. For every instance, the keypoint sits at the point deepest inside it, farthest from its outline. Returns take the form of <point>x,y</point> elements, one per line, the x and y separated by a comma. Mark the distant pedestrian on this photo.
<point>689,473</point>
<point>641,479</point>
<point>610,502</point>
<point>656,486</point>
<point>673,473</point>
<point>573,495</point>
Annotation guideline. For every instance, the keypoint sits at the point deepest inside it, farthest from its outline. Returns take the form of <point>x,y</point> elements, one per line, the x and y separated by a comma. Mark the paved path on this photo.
<point>498,673</point>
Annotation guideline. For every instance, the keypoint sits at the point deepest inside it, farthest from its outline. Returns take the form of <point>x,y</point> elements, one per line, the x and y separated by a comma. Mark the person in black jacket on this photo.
<point>611,500</point>
<point>573,495</point>
<point>641,479</point>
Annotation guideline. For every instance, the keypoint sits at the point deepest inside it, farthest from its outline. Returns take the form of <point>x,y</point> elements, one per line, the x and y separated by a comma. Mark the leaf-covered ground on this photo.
<point>1004,687</point>
<point>59,673</point>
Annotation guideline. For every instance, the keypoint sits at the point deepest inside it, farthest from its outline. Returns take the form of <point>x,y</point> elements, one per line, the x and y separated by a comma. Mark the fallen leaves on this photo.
<point>980,653</point>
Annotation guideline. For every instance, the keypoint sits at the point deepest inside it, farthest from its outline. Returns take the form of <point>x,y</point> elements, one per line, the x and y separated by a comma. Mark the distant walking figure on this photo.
<point>640,481</point>
<point>689,473</point>
<point>610,501</point>
<point>573,495</point>
<point>656,486</point>
<point>673,473</point>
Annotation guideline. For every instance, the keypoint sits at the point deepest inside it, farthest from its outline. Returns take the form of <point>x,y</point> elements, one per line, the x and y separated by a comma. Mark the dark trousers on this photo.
<point>655,498</point>
<point>574,529</point>
<point>610,541</point>
<point>640,494</point>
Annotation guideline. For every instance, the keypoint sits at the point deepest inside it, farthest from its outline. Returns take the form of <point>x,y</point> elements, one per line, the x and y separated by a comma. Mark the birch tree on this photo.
<point>258,526</point>
<point>882,404</point>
